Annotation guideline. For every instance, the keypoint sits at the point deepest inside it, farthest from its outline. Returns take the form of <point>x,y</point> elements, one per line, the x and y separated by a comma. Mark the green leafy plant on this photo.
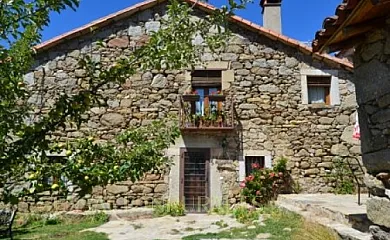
<point>172,209</point>
<point>262,185</point>
<point>221,210</point>
<point>245,215</point>
<point>343,177</point>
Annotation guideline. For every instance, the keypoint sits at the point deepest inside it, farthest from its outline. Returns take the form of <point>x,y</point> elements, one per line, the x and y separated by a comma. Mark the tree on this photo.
<point>24,145</point>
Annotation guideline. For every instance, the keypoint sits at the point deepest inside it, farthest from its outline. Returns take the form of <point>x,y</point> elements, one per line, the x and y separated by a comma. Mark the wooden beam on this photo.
<point>361,28</point>
<point>346,44</point>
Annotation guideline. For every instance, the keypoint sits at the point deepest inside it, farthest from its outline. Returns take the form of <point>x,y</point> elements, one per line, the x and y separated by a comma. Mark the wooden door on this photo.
<point>195,179</point>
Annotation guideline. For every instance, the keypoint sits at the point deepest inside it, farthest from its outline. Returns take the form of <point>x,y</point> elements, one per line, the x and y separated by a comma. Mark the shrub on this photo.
<point>221,210</point>
<point>245,215</point>
<point>343,177</point>
<point>262,185</point>
<point>173,209</point>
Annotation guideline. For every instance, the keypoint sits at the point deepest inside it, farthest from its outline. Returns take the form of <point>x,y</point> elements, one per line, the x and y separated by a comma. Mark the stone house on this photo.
<point>265,96</point>
<point>363,28</point>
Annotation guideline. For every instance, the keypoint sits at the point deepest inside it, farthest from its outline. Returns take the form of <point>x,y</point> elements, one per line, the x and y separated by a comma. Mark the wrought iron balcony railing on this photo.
<point>210,113</point>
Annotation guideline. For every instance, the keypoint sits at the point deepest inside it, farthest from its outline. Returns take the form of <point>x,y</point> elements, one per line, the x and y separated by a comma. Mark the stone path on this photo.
<point>339,212</point>
<point>166,227</point>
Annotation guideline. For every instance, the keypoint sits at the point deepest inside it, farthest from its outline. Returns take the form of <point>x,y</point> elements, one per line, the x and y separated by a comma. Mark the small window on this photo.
<point>250,160</point>
<point>318,89</point>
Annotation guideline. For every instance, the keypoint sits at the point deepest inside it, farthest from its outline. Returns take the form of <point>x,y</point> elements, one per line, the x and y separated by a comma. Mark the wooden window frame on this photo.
<point>206,79</point>
<point>249,160</point>
<point>320,81</point>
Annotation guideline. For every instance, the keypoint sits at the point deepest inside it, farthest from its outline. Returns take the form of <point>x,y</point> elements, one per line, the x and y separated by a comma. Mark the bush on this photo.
<point>245,215</point>
<point>173,209</point>
<point>263,185</point>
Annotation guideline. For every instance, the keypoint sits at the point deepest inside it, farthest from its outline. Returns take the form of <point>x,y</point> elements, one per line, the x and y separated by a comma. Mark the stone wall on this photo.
<point>122,195</point>
<point>267,92</point>
<point>372,70</point>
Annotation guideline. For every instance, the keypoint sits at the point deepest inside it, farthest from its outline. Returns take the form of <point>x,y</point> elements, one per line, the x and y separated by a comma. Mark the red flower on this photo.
<point>250,178</point>
<point>195,92</point>
<point>213,93</point>
<point>242,184</point>
<point>272,174</point>
<point>258,192</point>
<point>255,165</point>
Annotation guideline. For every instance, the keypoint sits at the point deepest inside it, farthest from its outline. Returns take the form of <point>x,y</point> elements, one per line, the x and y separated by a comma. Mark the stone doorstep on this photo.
<point>320,216</point>
<point>114,215</point>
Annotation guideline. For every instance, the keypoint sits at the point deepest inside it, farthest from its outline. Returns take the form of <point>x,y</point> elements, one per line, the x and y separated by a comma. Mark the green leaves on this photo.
<point>25,143</point>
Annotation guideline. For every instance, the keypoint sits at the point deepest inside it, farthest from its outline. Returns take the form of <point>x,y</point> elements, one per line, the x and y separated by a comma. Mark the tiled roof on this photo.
<point>205,7</point>
<point>351,20</point>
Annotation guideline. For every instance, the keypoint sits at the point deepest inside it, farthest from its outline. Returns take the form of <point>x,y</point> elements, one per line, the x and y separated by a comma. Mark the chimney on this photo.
<point>272,18</point>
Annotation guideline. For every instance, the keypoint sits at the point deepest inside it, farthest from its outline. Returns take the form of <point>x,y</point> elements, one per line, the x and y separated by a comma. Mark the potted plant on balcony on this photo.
<point>196,119</point>
<point>217,97</point>
<point>191,96</point>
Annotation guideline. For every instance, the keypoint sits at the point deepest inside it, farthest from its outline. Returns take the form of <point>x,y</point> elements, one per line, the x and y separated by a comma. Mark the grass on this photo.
<point>282,225</point>
<point>59,228</point>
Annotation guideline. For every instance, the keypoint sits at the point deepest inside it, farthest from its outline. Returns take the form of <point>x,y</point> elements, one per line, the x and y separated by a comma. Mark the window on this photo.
<point>318,89</point>
<point>206,83</point>
<point>249,160</point>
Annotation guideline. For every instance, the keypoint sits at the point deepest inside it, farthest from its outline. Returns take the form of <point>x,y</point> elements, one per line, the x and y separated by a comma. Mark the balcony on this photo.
<point>211,113</point>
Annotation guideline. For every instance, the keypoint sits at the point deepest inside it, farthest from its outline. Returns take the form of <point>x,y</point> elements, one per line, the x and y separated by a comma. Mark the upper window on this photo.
<point>206,83</point>
<point>319,89</point>
<point>252,162</point>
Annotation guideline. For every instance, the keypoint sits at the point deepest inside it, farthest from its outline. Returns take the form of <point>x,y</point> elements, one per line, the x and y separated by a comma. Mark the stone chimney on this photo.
<point>272,18</point>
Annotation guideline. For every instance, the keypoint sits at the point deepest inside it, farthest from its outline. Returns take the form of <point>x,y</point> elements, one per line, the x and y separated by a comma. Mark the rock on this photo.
<point>287,229</point>
<point>328,165</point>
<point>29,78</point>
<point>81,204</point>
<point>135,31</point>
<point>113,103</point>
<point>376,186</point>
<point>381,116</point>
<point>59,206</point>
<point>339,150</point>
<point>102,206</point>
<point>284,71</point>
<point>137,188</point>
<point>148,76</point>
<point>260,71</point>
<point>342,119</point>
<point>270,88</point>
<point>349,102</point>
<point>112,119</point>
<point>378,233</point>
<point>229,57</point>
<point>126,103</point>
<point>355,150</point>
<point>23,207</point>
<point>262,63</point>
<point>347,136</point>
<point>159,81</point>
<point>152,177</point>
<point>326,120</point>
<point>121,201</point>
<point>264,236</point>
<point>122,42</point>
<point>137,203</point>
<point>117,189</point>
<point>313,171</point>
<point>302,153</point>
<point>304,165</point>
<point>161,188</point>
<point>291,62</point>
<point>378,210</point>
<point>245,83</point>
<point>152,27</point>
<point>248,106</point>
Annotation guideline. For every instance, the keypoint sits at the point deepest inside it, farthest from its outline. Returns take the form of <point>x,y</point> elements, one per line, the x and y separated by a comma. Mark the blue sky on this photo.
<point>300,18</point>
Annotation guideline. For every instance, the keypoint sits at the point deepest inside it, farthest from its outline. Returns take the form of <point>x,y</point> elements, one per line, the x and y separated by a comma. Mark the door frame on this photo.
<point>207,170</point>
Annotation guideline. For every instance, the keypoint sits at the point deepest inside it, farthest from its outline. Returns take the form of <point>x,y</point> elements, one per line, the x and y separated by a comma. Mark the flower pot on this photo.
<point>217,98</point>
<point>191,98</point>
